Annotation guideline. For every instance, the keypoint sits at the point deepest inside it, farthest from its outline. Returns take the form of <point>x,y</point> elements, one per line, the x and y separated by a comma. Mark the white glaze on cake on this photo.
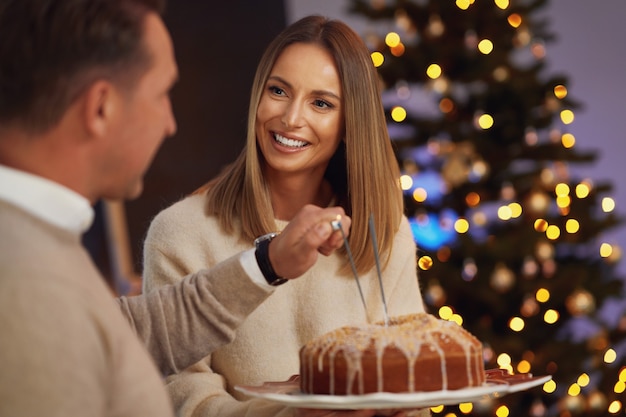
<point>415,336</point>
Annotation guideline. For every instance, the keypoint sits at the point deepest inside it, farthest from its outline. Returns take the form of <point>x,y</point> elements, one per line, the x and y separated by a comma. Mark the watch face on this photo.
<point>268,236</point>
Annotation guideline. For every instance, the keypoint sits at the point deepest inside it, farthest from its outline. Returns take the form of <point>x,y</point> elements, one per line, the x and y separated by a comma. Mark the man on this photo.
<point>83,108</point>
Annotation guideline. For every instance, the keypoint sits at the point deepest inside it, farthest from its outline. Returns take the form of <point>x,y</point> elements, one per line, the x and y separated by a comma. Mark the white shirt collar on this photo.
<point>45,199</point>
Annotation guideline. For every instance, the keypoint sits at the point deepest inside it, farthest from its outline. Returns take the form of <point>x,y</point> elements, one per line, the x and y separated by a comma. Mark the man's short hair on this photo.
<point>51,50</point>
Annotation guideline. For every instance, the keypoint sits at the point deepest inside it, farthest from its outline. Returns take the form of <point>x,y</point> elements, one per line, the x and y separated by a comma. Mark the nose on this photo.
<point>292,116</point>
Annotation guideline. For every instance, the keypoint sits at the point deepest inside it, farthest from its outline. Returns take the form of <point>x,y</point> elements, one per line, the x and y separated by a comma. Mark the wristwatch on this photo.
<point>262,256</point>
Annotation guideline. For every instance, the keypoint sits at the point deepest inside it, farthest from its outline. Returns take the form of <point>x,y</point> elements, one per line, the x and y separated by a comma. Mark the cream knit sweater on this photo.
<point>266,345</point>
<point>66,346</point>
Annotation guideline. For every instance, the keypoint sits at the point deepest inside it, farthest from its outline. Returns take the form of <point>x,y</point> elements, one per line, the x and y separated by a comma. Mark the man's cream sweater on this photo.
<point>66,346</point>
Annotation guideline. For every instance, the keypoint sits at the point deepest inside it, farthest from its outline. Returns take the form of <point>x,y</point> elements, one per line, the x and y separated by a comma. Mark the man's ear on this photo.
<point>99,107</point>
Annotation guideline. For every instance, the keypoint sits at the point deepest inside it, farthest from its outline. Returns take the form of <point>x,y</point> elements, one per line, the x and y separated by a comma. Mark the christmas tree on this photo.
<point>510,241</point>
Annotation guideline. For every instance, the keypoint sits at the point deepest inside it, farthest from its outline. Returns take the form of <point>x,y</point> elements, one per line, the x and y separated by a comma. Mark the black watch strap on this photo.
<point>263,259</point>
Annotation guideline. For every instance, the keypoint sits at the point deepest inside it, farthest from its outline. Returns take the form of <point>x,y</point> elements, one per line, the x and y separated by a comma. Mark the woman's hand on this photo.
<point>307,235</point>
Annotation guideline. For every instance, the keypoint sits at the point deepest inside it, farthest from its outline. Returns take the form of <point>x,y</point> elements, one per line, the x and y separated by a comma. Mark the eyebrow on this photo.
<point>316,92</point>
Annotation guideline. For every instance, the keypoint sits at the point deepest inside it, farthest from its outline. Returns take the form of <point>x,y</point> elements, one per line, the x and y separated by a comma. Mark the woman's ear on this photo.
<point>99,107</point>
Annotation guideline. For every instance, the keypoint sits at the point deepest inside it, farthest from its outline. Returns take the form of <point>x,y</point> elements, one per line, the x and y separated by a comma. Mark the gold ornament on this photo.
<point>538,203</point>
<point>574,404</point>
<point>544,251</point>
<point>597,401</point>
<point>460,162</point>
<point>580,303</point>
<point>435,27</point>
<point>456,168</point>
<point>502,278</point>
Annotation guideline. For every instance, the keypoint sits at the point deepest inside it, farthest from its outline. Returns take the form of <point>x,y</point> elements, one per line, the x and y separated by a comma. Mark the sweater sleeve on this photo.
<point>182,323</point>
<point>198,391</point>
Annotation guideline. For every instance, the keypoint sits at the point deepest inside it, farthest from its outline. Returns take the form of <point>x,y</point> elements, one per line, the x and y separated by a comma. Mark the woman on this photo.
<point>316,135</point>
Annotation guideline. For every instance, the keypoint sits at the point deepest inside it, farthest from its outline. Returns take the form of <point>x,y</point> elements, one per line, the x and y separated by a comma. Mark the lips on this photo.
<point>289,143</point>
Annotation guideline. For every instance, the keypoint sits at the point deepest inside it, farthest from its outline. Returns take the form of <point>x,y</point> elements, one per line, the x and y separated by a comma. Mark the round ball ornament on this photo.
<point>502,278</point>
<point>597,401</point>
<point>580,303</point>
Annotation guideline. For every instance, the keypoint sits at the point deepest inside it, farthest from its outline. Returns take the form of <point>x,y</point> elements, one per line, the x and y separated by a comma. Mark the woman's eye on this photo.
<point>322,104</point>
<point>276,90</point>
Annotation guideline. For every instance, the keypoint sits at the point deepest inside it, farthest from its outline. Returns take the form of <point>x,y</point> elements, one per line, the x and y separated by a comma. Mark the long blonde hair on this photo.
<point>363,172</point>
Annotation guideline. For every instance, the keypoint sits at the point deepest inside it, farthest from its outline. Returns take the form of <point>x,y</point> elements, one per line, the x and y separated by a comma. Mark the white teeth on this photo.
<point>289,142</point>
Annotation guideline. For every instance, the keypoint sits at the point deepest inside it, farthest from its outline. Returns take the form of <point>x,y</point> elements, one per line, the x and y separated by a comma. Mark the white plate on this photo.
<point>288,393</point>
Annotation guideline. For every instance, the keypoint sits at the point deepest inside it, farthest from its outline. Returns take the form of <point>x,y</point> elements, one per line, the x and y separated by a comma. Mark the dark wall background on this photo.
<point>218,45</point>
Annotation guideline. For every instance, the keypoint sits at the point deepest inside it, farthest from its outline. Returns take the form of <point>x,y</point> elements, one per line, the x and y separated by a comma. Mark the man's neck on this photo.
<point>48,155</point>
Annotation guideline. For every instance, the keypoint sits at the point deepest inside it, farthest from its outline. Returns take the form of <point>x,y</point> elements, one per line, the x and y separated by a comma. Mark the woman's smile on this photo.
<point>289,143</point>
